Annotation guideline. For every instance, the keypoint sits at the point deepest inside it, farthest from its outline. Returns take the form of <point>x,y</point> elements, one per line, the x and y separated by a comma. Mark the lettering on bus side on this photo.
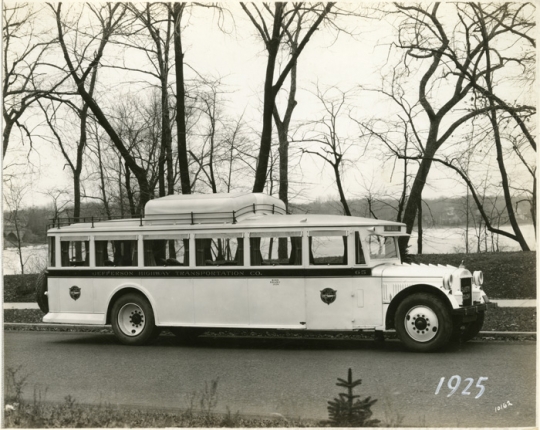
<point>362,272</point>
<point>276,272</point>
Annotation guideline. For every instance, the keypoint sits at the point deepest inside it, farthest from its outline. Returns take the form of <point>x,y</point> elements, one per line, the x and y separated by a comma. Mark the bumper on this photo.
<point>473,310</point>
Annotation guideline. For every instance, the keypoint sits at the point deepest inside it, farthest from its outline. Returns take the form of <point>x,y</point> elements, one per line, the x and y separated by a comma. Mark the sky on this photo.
<point>330,59</point>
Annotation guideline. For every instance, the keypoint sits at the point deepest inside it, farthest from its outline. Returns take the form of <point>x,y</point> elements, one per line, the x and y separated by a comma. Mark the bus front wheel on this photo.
<point>423,322</point>
<point>133,320</point>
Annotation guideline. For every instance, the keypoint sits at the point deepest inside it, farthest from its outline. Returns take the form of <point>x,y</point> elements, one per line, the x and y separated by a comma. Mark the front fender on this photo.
<point>407,290</point>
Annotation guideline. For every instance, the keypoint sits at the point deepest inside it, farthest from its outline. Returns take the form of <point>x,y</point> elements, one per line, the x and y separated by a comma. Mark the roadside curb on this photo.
<point>108,326</point>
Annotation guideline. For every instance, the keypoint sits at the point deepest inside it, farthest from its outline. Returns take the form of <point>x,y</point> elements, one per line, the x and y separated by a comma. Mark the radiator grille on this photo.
<point>466,289</point>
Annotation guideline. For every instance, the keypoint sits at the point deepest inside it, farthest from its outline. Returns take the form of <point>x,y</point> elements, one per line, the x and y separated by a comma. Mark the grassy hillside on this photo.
<point>507,275</point>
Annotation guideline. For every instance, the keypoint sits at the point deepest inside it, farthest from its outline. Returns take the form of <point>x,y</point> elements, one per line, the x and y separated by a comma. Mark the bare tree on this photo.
<point>452,59</point>
<point>75,165</point>
<point>325,133</point>
<point>153,21</point>
<point>217,140</point>
<point>272,21</point>
<point>24,64</point>
<point>13,199</point>
<point>109,18</point>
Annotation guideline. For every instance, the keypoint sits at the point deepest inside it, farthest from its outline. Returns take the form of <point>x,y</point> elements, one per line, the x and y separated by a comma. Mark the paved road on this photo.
<point>290,377</point>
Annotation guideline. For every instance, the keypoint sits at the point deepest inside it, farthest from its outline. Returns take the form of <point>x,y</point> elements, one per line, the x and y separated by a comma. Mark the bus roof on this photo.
<point>217,211</point>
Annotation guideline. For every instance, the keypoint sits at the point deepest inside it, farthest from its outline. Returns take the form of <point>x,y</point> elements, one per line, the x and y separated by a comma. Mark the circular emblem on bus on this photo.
<point>328,295</point>
<point>75,292</point>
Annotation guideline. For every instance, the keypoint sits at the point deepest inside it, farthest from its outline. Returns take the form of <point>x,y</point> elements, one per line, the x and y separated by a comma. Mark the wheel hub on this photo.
<point>131,319</point>
<point>421,323</point>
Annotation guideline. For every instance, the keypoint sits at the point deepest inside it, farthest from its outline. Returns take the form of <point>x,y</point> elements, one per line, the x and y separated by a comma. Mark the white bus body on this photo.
<point>237,261</point>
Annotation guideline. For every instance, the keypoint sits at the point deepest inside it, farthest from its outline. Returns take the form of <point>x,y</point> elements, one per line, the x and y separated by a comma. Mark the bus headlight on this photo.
<point>478,278</point>
<point>448,279</point>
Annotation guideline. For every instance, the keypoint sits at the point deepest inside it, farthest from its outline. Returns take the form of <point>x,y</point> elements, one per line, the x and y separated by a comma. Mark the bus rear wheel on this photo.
<point>41,292</point>
<point>133,320</point>
<point>423,322</point>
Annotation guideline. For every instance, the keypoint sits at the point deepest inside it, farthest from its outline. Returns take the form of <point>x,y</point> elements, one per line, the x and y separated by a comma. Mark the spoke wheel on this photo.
<point>423,322</point>
<point>133,320</point>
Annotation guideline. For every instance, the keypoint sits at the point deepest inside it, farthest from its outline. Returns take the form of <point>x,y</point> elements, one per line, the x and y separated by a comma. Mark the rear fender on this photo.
<point>128,288</point>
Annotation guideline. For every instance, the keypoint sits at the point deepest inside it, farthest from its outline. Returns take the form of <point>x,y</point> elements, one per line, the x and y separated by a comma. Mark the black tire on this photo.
<point>133,321</point>
<point>463,332</point>
<point>187,335</point>
<point>423,322</point>
<point>42,291</point>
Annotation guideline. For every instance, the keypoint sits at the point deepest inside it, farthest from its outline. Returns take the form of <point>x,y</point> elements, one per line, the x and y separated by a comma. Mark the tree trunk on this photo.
<point>120,187</point>
<point>403,197</point>
<point>415,196</point>
<point>504,181</point>
<point>178,8</point>
<point>342,197</point>
<point>19,241</point>
<point>467,223</point>
<point>533,205</point>
<point>420,229</point>
<point>129,193</point>
<point>498,145</point>
<point>268,103</point>
<point>8,126</point>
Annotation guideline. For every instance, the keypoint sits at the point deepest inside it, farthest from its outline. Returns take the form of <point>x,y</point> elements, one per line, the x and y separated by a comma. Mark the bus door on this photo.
<point>368,307</point>
<point>220,288</point>
<point>329,281</point>
<point>276,280</point>
<point>329,300</point>
<point>367,304</point>
<point>75,294</point>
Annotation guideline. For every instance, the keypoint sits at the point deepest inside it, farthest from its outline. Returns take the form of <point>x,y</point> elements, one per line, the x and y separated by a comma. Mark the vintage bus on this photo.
<point>199,262</point>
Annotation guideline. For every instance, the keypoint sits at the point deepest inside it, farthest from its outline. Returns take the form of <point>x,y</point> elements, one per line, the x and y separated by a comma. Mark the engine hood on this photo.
<point>406,270</point>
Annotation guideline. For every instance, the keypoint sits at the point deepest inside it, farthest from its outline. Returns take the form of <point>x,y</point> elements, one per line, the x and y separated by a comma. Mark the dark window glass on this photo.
<point>52,251</point>
<point>360,259</point>
<point>116,253</point>
<point>75,253</point>
<point>276,251</point>
<point>220,251</point>
<point>161,252</point>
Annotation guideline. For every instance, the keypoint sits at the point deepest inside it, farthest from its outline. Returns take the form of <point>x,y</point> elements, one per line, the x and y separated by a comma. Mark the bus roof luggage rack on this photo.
<point>216,208</point>
<point>192,209</point>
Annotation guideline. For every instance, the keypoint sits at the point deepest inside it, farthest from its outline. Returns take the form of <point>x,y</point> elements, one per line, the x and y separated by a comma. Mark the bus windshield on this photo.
<point>381,247</point>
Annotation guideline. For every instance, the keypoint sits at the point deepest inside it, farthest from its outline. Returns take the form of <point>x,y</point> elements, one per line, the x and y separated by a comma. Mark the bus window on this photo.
<point>359,257</point>
<point>327,250</point>
<point>74,252</point>
<point>275,249</point>
<point>166,251</point>
<point>220,250</point>
<point>116,252</point>
<point>381,247</point>
<point>52,251</point>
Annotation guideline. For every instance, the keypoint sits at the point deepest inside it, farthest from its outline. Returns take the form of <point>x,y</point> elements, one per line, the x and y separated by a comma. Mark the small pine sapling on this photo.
<point>344,411</point>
